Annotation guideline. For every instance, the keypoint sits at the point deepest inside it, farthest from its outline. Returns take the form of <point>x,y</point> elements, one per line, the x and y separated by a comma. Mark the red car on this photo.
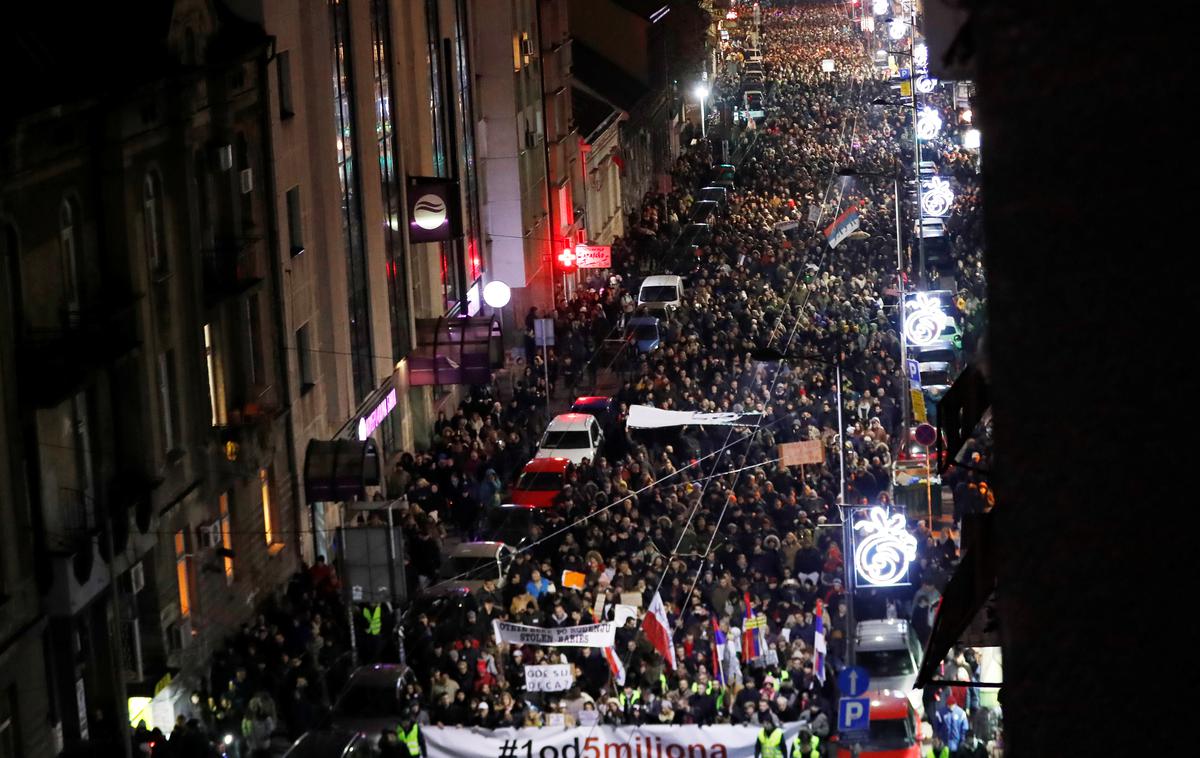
<point>540,482</point>
<point>894,730</point>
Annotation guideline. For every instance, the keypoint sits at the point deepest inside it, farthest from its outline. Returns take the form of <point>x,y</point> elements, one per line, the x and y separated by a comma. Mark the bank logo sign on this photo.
<point>433,209</point>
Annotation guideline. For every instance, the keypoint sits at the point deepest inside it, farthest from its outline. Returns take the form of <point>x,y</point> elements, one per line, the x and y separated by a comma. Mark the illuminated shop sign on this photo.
<point>370,422</point>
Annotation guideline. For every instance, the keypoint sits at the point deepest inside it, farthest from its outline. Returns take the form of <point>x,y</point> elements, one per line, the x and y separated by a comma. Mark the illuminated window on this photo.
<point>183,573</point>
<point>226,536</point>
<point>268,508</point>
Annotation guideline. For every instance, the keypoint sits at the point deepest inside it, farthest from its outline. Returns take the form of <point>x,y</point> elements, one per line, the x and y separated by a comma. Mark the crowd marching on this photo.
<point>746,555</point>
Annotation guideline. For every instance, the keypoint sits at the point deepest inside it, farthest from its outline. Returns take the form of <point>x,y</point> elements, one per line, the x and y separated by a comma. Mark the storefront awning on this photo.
<point>339,470</point>
<point>455,351</point>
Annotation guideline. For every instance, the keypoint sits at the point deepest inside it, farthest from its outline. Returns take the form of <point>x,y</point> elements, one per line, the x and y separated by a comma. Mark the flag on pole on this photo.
<point>819,642</point>
<point>658,630</point>
<point>718,651</point>
<point>753,628</point>
<point>614,665</point>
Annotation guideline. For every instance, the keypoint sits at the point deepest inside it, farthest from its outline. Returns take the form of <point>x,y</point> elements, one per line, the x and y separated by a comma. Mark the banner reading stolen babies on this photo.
<point>589,635</point>
<point>686,741</point>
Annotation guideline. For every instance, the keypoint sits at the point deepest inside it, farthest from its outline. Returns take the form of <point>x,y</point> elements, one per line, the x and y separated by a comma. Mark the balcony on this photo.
<point>72,543</point>
<point>54,363</point>
<point>244,444</point>
<point>232,267</point>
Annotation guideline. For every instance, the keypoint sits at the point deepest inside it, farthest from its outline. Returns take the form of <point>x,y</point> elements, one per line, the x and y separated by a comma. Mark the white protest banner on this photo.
<point>601,741</point>
<point>649,417</point>
<point>554,677</point>
<point>590,635</point>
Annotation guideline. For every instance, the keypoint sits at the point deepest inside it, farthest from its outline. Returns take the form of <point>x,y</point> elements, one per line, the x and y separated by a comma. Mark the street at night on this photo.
<point>574,379</point>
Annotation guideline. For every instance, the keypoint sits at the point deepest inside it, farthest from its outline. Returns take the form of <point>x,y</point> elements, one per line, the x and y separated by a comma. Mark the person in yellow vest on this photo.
<point>939,749</point>
<point>412,742</point>
<point>806,745</point>
<point>375,617</point>
<point>770,741</point>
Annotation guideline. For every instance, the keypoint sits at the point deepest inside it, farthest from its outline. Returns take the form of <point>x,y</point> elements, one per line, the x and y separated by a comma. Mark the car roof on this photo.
<point>378,673</point>
<point>887,630</point>
<point>888,704</point>
<point>321,743</point>
<point>482,549</point>
<point>587,400</point>
<point>934,366</point>
<point>641,320</point>
<point>554,465</point>
<point>714,187</point>
<point>662,280</point>
<point>565,422</point>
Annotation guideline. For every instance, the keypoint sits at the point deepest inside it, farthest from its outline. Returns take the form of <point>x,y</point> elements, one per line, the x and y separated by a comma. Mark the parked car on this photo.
<point>724,175</point>
<point>371,700</point>
<point>714,193</point>
<point>661,291</point>
<point>891,653</point>
<point>893,730</point>
<point>469,564</point>
<point>644,332</point>
<point>936,378</point>
<point>574,436</point>
<point>510,523</point>
<point>704,211</point>
<point>540,482</point>
<point>331,743</point>
<point>754,104</point>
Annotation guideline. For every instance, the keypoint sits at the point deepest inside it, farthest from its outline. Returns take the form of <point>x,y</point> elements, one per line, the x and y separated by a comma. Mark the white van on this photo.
<point>662,291</point>
<point>891,653</point>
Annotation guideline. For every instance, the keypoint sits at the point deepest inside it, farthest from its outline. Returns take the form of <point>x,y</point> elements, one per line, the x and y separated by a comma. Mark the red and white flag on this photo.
<point>658,630</point>
<point>614,665</point>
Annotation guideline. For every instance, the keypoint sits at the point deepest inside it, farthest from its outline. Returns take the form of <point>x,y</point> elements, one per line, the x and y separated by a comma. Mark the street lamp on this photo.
<point>701,93</point>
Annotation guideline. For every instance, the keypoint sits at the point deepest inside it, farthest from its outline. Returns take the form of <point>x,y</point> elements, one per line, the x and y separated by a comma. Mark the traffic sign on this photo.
<point>914,372</point>
<point>854,714</point>
<point>925,435</point>
<point>853,681</point>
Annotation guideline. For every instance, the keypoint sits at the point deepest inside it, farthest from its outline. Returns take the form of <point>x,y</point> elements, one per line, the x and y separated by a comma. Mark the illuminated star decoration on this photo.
<point>925,84</point>
<point>882,558</point>
<point>880,7</point>
<point>897,29</point>
<point>936,196</point>
<point>920,55</point>
<point>929,123</point>
<point>925,320</point>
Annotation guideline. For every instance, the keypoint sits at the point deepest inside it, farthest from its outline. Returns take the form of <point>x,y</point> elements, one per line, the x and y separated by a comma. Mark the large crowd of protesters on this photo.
<point>703,517</point>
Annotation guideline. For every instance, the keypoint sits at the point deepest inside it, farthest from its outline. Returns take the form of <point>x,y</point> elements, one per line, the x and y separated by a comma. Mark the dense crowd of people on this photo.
<point>705,518</point>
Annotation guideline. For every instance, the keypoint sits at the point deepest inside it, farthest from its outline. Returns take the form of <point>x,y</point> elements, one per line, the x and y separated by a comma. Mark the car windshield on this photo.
<point>890,734</point>
<point>469,568</point>
<point>568,440</point>
<point>930,378</point>
<point>754,100</point>
<point>369,701</point>
<point>885,662</point>
<point>658,294</point>
<point>540,481</point>
<point>937,356</point>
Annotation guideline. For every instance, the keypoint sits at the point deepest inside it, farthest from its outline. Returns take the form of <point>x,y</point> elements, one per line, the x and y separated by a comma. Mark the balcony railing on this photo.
<point>232,266</point>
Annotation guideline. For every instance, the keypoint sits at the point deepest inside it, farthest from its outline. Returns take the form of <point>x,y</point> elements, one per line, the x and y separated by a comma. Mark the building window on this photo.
<point>393,238</point>
<point>152,223</point>
<point>361,366</point>
<point>270,518</point>
<point>183,573</point>
<point>216,395</point>
<point>254,341</point>
<point>226,536</point>
<point>294,220</point>
<point>69,238</point>
<point>84,474</point>
<point>166,398</point>
<point>284,61</point>
<point>304,358</point>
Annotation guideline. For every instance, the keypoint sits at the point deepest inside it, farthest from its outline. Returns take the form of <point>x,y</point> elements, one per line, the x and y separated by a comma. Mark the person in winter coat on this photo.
<point>257,728</point>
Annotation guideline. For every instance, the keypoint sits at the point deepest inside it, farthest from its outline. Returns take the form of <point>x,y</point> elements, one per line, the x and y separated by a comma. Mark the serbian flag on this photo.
<point>718,651</point>
<point>819,642</point>
<point>658,630</point>
<point>843,226</point>
<point>752,630</point>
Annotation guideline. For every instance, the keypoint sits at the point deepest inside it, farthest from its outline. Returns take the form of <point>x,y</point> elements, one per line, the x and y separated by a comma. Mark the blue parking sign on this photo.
<point>914,373</point>
<point>854,714</point>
